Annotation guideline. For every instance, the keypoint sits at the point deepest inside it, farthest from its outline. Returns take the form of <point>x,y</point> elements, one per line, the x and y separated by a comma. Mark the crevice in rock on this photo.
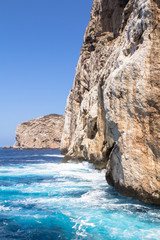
<point>110,150</point>
<point>93,129</point>
<point>111,16</point>
<point>155,151</point>
<point>89,39</point>
<point>91,48</point>
<point>126,14</point>
<point>153,104</point>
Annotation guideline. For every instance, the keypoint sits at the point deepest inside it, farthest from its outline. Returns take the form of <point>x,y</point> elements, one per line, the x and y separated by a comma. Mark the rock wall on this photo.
<point>112,112</point>
<point>43,132</point>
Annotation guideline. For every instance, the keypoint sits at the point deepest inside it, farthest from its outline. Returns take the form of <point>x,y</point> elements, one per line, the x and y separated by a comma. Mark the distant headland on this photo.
<point>42,132</point>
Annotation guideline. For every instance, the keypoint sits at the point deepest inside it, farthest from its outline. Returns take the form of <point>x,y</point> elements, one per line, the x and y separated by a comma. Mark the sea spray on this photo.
<point>43,198</point>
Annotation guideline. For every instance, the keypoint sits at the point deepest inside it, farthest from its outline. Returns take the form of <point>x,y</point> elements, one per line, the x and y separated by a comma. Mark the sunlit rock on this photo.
<point>112,113</point>
<point>43,132</point>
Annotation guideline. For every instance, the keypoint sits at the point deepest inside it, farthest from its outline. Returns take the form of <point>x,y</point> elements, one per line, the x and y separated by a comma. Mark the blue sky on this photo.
<point>39,49</point>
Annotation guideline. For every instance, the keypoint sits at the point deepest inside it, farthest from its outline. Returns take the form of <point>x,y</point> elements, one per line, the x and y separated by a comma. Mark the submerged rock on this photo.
<point>43,132</point>
<point>112,112</point>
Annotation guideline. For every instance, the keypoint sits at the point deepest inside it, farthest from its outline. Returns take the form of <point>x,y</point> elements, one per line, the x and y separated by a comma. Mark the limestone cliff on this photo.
<point>43,132</point>
<point>112,112</point>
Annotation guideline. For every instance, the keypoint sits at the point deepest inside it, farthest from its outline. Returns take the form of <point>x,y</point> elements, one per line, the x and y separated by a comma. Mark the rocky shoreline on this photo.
<point>113,110</point>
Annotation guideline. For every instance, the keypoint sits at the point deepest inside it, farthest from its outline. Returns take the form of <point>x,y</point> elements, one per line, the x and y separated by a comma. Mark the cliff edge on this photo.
<point>112,112</point>
<point>43,132</point>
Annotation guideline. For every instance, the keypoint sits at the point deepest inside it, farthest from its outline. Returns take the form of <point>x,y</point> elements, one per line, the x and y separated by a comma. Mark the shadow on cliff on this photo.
<point>112,16</point>
<point>158,3</point>
<point>114,158</point>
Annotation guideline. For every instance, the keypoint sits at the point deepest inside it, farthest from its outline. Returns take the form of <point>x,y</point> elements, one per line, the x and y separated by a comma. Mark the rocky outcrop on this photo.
<point>112,112</point>
<point>43,132</point>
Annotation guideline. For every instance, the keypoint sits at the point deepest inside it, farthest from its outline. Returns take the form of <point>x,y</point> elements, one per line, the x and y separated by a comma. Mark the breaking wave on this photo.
<point>43,198</point>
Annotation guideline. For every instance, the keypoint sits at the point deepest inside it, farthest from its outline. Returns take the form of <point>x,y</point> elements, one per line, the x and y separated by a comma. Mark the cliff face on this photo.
<point>43,132</point>
<point>112,112</point>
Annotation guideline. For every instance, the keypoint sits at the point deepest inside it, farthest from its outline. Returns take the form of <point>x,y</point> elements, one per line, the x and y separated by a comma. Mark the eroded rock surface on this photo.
<point>43,132</point>
<point>112,112</point>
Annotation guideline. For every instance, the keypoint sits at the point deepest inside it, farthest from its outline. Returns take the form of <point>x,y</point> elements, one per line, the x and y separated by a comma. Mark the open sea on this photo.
<point>42,198</point>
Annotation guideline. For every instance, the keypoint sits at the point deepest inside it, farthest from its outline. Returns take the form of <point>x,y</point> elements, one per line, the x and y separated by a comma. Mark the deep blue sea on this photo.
<point>42,198</point>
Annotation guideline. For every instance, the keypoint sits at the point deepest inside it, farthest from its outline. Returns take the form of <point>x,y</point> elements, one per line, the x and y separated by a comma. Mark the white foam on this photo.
<point>81,226</point>
<point>153,234</point>
<point>84,209</point>
<point>63,170</point>
<point>41,201</point>
<point>3,208</point>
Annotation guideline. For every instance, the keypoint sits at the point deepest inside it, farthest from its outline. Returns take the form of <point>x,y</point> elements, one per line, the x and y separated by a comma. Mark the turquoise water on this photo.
<point>42,198</point>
